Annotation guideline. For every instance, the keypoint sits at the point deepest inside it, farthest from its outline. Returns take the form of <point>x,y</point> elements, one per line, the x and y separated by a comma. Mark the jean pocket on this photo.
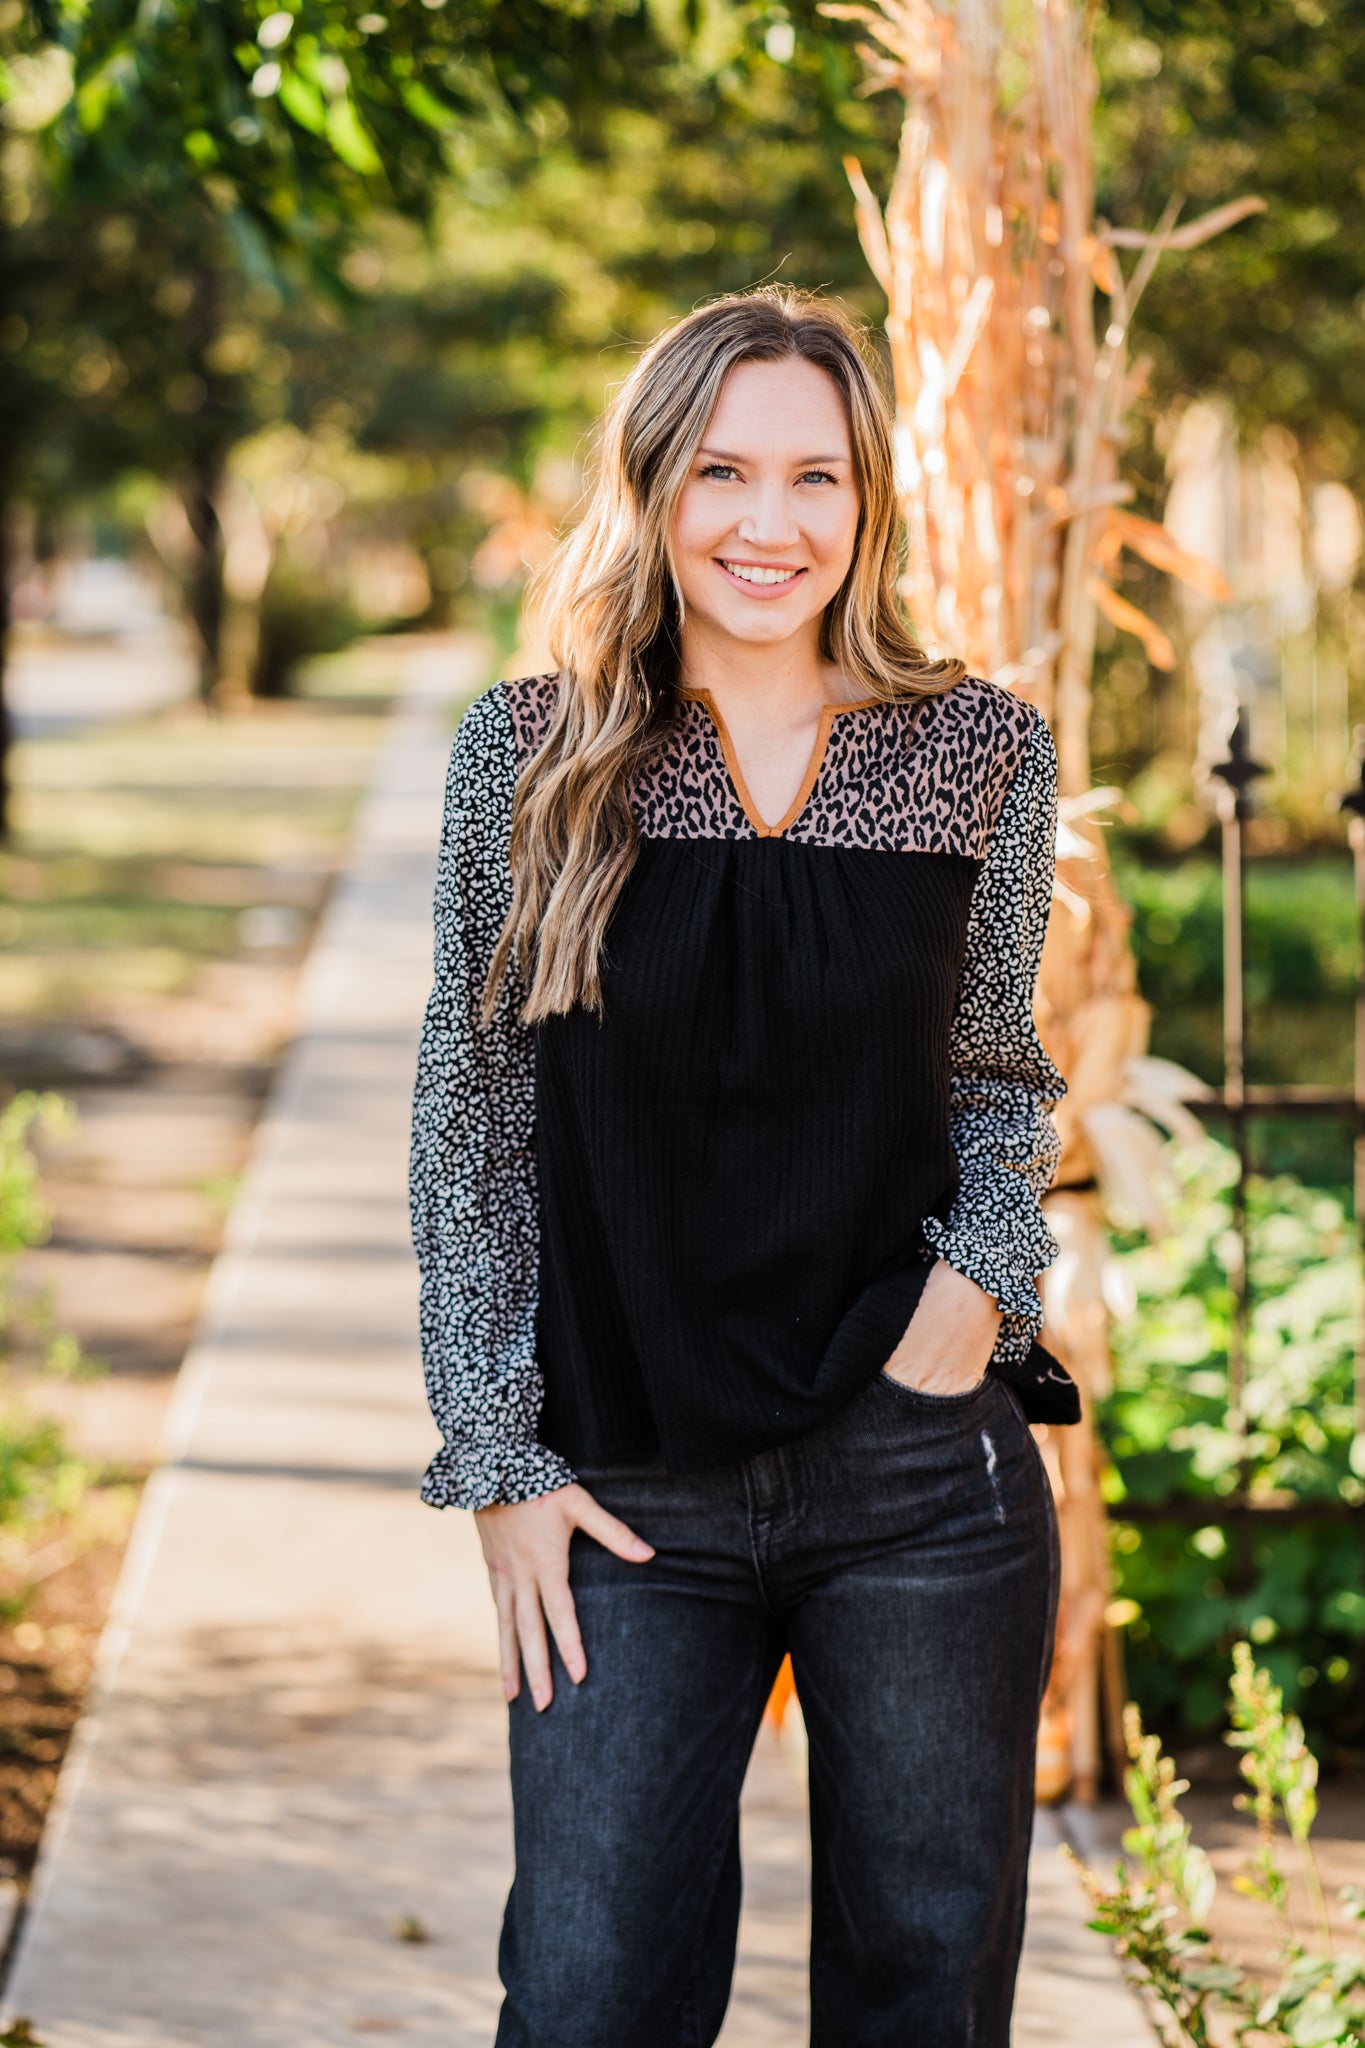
<point>965,1399</point>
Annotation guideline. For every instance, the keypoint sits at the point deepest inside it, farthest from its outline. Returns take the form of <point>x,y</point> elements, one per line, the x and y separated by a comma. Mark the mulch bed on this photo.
<point>47,1659</point>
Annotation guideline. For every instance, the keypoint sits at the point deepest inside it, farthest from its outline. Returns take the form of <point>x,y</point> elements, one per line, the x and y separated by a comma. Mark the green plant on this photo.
<point>24,1223</point>
<point>1157,1910</point>
<point>23,1212</point>
<point>1155,1915</point>
<point>1283,1775</point>
<point>39,1476</point>
<point>1292,1587</point>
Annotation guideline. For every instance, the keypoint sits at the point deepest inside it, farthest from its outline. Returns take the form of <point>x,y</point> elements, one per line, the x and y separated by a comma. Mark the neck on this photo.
<point>785,681</point>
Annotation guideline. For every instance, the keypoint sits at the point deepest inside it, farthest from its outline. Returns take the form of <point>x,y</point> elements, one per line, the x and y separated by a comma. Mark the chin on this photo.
<point>761,626</point>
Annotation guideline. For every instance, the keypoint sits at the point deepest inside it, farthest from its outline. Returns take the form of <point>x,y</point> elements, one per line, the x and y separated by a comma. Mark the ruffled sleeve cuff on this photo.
<point>491,1474</point>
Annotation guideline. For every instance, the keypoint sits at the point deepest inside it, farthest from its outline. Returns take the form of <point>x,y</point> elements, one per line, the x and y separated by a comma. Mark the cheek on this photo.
<point>832,533</point>
<point>692,533</point>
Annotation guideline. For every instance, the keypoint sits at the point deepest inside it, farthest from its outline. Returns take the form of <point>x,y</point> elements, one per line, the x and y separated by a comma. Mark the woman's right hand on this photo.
<point>526,1548</point>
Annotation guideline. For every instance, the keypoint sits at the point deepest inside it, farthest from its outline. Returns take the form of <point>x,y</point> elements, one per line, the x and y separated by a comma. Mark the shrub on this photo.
<point>1157,1910</point>
<point>39,1476</point>
<point>1294,1590</point>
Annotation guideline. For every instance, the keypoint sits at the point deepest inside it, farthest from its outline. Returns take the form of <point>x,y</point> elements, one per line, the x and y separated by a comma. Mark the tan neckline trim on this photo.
<point>828,714</point>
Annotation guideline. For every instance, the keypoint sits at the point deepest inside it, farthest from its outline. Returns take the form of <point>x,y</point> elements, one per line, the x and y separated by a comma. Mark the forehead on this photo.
<point>791,406</point>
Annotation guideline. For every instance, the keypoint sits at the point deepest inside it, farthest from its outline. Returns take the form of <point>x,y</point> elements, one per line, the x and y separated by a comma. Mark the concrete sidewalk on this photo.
<point>57,683</point>
<point>296,1758</point>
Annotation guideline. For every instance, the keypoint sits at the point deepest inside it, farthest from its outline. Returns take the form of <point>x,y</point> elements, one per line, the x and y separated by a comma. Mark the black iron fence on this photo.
<point>1238,1105</point>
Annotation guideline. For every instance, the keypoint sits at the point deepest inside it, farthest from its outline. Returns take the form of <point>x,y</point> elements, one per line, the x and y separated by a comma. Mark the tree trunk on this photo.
<point>6,719</point>
<point>203,484</point>
<point>200,495</point>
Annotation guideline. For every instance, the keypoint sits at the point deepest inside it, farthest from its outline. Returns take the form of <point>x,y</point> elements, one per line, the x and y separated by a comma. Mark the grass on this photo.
<point>141,849</point>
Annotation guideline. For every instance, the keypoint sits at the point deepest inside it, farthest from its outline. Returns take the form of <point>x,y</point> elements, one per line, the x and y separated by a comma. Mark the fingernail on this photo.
<point>542,1702</point>
<point>578,1672</point>
<point>509,1691</point>
<point>643,1550</point>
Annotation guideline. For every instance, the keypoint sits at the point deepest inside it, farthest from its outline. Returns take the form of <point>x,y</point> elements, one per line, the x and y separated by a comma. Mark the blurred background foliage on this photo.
<point>423,238</point>
<point>1207,96</point>
<point>426,238</point>
<point>1296,1589</point>
<point>307,312</point>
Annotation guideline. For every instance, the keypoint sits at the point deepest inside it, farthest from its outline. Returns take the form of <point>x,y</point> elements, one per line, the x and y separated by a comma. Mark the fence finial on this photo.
<point>1239,771</point>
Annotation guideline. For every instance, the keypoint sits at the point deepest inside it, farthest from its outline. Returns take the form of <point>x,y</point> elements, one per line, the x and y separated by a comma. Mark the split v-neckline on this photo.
<point>738,782</point>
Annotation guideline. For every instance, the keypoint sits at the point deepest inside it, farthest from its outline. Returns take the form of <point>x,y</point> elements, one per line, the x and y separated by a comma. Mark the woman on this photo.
<point>731,1128</point>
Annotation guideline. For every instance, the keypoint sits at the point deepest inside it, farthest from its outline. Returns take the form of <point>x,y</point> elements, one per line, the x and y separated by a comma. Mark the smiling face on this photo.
<point>767,521</point>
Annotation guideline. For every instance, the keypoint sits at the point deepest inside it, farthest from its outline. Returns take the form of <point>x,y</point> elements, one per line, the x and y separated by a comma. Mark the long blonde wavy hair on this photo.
<point>608,608</point>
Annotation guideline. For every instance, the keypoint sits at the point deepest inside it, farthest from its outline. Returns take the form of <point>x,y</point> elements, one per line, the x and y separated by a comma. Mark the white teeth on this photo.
<point>747,575</point>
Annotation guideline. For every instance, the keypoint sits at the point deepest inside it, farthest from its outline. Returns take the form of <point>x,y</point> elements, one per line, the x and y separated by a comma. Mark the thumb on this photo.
<point>612,1534</point>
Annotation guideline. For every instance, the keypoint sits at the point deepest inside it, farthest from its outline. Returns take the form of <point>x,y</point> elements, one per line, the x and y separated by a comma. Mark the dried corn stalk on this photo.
<point>1011,396</point>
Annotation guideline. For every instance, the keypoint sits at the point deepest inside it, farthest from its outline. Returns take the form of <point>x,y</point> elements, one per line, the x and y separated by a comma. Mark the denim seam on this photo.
<point>1044,1672</point>
<point>691,2009</point>
<point>751,1521</point>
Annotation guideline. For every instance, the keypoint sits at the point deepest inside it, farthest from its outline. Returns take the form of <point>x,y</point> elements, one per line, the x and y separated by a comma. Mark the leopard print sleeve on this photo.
<point>1004,1086</point>
<point>475,1217</point>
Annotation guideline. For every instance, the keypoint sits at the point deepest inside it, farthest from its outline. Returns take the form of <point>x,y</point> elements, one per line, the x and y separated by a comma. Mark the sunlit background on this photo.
<point>305,318</point>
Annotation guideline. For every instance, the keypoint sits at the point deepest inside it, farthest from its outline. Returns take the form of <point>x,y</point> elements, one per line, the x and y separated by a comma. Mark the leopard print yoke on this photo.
<point>929,777</point>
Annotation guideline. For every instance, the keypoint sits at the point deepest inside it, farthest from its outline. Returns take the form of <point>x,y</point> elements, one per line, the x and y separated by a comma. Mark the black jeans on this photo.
<point>905,1553</point>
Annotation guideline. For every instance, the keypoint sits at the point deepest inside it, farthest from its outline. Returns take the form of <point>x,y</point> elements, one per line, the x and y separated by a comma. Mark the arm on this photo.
<point>475,1224</point>
<point>472,1181</point>
<point>1004,1086</point>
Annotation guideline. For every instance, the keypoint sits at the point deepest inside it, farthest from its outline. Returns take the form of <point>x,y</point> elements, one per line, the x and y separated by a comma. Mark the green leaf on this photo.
<point>1212,1977</point>
<point>303,102</point>
<point>1198,1884</point>
<point>349,139</point>
<point>1319,2021</point>
<point>424,106</point>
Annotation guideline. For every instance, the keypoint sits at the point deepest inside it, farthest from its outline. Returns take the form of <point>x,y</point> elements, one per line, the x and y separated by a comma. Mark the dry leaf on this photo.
<point>1108,542</point>
<point>1102,265</point>
<point>1194,231</point>
<point>1157,546</point>
<point>1129,619</point>
<point>1095,500</point>
<point>871,226</point>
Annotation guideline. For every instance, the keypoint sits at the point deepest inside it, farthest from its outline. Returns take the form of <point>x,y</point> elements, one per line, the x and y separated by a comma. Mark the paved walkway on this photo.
<point>55,683</point>
<point>297,1753</point>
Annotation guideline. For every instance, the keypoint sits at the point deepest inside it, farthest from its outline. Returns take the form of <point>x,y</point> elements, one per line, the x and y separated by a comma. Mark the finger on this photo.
<point>562,1616</point>
<point>535,1651</point>
<point>612,1534</point>
<point>509,1657</point>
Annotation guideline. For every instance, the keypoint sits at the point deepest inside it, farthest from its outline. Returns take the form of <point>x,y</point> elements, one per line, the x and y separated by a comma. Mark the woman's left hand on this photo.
<point>951,1336</point>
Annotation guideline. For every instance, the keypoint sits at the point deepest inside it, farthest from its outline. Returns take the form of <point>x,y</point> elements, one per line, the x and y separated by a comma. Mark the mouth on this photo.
<point>760,579</point>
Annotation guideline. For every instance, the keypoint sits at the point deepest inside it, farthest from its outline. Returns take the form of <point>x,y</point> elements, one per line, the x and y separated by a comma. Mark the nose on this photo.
<point>768,522</point>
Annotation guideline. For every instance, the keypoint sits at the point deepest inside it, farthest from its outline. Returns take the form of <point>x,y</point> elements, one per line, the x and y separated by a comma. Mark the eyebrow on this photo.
<point>802,461</point>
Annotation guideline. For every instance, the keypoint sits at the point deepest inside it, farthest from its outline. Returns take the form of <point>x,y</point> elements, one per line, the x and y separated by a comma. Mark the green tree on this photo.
<point>247,137</point>
<point>489,341</point>
<point>1212,99</point>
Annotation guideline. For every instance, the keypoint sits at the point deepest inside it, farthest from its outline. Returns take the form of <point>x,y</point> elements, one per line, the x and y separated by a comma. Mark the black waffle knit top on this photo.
<point>700,1222</point>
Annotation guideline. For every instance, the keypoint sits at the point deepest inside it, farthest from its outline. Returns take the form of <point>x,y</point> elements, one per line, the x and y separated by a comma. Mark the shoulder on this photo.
<point>982,720</point>
<point>503,728</point>
<point>531,703</point>
<point>977,743</point>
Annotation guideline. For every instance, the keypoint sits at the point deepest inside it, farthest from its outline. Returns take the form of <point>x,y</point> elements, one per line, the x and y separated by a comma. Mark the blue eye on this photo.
<point>821,476</point>
<point>719,469</point>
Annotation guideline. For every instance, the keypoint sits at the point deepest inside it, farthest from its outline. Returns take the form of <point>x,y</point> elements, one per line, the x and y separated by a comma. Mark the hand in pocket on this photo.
<point>951,1336</point>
